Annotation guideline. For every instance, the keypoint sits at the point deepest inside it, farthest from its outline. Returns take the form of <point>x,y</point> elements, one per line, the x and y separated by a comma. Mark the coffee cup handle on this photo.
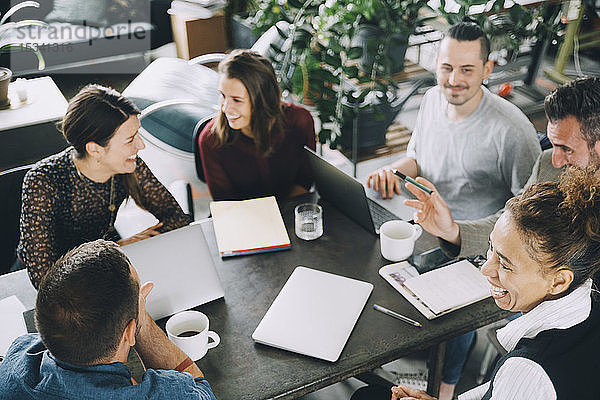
<point>418,231</point>
<point>215,337</point>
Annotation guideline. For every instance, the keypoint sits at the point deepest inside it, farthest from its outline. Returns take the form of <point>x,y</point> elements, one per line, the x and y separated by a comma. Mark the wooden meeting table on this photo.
<point>239,368</point>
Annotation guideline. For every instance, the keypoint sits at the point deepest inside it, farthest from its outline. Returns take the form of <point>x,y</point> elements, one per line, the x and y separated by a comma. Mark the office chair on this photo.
<point>174,97</point>
<point>184,96</point>
<point>196,146</point>
<point>11,182</point>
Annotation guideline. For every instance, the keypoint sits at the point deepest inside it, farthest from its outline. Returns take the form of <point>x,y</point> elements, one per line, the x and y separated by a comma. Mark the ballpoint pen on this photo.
<point>411,180</point>
<point>396,315</point>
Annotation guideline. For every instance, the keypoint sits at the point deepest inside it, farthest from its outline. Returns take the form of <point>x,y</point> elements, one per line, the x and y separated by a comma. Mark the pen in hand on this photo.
<point>411,180</point>
<point>396,315</point>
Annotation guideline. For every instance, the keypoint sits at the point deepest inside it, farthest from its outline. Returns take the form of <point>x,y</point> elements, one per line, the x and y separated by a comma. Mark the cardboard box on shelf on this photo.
<point>196,36</point>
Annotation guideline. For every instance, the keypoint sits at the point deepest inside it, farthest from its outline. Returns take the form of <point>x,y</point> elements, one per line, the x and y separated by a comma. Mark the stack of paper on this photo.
<point>248,226</point>
<point>450,287</point>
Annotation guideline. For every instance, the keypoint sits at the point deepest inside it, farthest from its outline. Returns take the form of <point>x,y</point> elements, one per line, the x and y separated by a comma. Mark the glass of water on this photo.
<point>309,221</point>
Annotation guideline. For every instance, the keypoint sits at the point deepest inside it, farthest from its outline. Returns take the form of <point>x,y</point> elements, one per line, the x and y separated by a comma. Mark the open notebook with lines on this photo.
<point>349,196</point>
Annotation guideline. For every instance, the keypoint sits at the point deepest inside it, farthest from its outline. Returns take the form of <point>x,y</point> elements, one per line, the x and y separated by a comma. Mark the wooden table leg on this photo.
<point>436,361</point>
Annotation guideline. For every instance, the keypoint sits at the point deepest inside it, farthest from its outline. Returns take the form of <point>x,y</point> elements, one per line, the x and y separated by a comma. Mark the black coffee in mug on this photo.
<point>188,333</point>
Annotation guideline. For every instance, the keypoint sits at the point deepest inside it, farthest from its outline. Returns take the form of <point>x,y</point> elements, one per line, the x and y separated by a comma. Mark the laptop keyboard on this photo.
<point>380,214</point>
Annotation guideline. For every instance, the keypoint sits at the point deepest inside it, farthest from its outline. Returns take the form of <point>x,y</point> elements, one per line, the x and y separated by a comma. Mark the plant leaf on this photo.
<point>17,7</point>
<point>40,57</point>
<point>275,48</point>
<point>354,52</point>
<point>295,3</point>
<point>351,72</point>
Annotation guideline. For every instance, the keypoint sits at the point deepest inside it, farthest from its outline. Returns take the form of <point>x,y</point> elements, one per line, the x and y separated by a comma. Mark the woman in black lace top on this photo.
<point>72,197</point>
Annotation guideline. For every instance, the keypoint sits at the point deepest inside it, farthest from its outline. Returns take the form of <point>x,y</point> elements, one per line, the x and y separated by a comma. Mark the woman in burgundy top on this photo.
<point>254,146</point>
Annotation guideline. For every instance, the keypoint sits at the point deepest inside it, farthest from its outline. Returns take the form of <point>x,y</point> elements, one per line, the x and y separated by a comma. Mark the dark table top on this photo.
<point>240,368</point>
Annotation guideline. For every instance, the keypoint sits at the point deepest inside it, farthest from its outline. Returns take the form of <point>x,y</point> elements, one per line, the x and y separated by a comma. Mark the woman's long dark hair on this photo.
<point>94,115</point>
<point>258,76</point>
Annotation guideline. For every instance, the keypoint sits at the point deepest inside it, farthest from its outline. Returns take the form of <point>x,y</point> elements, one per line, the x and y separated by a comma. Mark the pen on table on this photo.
<point>411,180</point>
<point>396,315</point>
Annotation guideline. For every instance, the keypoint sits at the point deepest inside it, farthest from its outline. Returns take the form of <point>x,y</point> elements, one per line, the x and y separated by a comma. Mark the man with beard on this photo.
<point>477,148</point>
<point>573,113</point>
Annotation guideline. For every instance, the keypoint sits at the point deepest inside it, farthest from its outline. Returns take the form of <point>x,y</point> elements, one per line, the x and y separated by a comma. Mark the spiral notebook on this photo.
<point>439,291</point>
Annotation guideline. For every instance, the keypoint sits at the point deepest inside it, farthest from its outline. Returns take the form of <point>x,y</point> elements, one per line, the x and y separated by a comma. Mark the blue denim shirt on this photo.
<point>29,371</point>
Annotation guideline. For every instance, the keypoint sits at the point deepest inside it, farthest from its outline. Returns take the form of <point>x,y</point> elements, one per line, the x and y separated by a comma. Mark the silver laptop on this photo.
<point>314,313</point>
<point>348,195</point>
<point>181,266</point>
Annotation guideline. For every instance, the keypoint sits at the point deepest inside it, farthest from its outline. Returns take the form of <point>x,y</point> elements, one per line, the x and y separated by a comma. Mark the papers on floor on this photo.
<point>440,291</point>
<point>248,226</point>
<point>13,324</point>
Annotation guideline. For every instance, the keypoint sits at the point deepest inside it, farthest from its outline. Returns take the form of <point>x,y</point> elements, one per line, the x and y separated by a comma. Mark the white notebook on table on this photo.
<point>439,291</point>
<point>248,226</point>
<point>314,313</point>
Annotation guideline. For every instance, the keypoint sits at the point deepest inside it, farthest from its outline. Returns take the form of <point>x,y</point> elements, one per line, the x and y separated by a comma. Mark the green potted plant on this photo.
<point>297,55</point>
<point>239,32</point>
<point>381,29</point>
<point>320,60</point>
<point>508,28</point>
<point>384,27</point>
<point>7,30</point>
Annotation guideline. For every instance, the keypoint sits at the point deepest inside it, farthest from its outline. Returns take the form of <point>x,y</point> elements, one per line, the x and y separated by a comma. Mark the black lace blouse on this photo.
<point>63,209</point>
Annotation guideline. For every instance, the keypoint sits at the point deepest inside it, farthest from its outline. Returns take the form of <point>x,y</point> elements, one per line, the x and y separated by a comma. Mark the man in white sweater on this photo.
<point>476,147</point>
<point>573,113</point>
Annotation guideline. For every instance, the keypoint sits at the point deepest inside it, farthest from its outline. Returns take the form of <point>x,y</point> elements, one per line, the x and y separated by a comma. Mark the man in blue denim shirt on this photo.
<point>90,310</point>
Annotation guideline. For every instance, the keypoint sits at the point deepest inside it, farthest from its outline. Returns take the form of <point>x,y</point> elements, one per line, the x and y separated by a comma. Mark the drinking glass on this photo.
<point>309,221</point>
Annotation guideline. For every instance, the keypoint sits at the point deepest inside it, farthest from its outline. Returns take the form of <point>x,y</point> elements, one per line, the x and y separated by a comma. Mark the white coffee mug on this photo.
<point>397,239</point>
<point>189,331</point>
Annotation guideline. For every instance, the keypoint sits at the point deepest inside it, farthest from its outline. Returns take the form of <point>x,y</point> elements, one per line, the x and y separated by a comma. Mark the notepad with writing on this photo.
<point>439,291</point>
<point>248,226</point>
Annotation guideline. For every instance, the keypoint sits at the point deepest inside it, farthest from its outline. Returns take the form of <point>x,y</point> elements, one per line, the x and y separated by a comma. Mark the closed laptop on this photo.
<point>181,266</point>
<point>314,313</point>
